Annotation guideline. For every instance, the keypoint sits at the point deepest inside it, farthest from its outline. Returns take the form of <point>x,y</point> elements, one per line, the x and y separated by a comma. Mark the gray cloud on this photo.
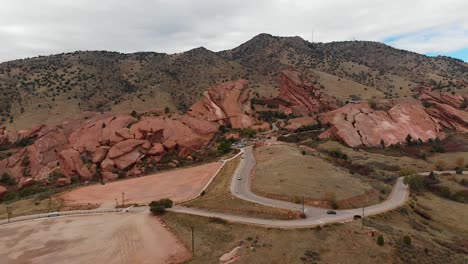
<point>31,28</point>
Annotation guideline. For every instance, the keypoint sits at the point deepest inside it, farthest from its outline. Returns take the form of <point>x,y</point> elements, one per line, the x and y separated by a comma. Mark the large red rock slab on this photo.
<point>124,147</point>
<point>359,125</point>
<point>200,126</point>
<point>100,153</point>
<point>126,160</point>
<point>449,117</point>
<point>442,98</point>
<point>72,164</point>
<point>227,102</point>
<point>94,132</point>
<point>171,131</point>
<point>303,96</point>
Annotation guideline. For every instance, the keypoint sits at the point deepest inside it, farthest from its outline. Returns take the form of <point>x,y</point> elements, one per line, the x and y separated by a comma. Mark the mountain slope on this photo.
<point>48,89</point>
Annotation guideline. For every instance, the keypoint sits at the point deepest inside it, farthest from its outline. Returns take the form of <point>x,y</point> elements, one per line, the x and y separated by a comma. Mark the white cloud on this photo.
<point>30,28</point>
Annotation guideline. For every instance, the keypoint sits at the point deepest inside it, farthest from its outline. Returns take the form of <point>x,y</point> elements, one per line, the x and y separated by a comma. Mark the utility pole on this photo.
<point>193,241</point>
<point>303,210</point>
<point>363,217</point>
<point>8,209</point>
<point>123,201</point>
<point>116,205</point>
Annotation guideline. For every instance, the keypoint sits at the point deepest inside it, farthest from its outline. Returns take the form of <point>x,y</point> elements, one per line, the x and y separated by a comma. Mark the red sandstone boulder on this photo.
<point>157,149</point>
<point>63,181</point>
<point>169,145</point>
<point>100,153</point>
<point>126,160</point>
<point>107,165</point>
<point>72,164</point>
<point>227,102</point>
<point>233,135</point>
<point>3,191</point>
<point>94,132</point>
<point>124,147</point>
<point>107,175</point>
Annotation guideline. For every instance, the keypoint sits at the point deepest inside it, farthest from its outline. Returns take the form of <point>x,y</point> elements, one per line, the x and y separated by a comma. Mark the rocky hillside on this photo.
<point>49,89</point>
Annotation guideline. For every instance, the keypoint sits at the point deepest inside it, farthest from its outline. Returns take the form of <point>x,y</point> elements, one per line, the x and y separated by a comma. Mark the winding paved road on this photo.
<point>315,216</point>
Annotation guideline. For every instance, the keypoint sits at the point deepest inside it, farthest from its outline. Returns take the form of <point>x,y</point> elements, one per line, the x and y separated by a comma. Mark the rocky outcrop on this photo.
<point>303,96</point>
<point>296,123</point>
<point>226,103</point>
<point>433,97</point>
<point>261,126</point>
<point>102,145</point>
<point>71,164</point>
<point>230,257</point>
<point>359,125</point>
<point>3,192</point>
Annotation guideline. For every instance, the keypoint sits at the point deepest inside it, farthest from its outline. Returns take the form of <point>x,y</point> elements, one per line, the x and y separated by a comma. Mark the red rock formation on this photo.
<point>440,97</point>
<point>303,96</point>
<point>296,123</point>
<point>3,191</point>
<point>228,102</point>
<point>92,142</point>
<point>358,124</point>
<point>261,126</point>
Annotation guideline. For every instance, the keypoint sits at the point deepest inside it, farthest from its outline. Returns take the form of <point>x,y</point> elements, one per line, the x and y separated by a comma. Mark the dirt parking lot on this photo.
<point>178,185</point>
<point>111,238</point>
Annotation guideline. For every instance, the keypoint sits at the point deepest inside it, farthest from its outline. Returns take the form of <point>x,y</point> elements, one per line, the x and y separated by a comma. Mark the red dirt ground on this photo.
<point>178,185</point>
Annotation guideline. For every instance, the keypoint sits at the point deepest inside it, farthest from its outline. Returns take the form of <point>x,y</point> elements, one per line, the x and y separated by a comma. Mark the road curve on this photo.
<point>240,187</point>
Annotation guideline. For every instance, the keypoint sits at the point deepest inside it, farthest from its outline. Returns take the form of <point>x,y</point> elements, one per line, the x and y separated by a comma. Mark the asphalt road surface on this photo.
<point>240,187</point>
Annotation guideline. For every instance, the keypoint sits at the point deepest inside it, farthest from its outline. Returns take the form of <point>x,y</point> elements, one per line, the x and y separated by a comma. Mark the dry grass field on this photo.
<point>30,206</point>
<point>110,238</point>
<point>284,170</point>
<point>344,243</point>
<point>218,198</point>
<point>440,239</point>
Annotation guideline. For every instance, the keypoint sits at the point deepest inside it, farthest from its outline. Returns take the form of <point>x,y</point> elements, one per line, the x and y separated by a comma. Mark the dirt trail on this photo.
<point>113,238</point>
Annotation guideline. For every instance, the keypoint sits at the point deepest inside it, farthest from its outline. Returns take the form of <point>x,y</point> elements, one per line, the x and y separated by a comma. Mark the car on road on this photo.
<point>356,217</point>
<point>239,178</point>
<point>54,214</point>
<point>331,212</point>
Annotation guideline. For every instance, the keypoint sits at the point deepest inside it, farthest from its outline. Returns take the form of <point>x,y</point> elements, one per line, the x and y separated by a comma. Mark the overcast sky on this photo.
<point>42,27</point>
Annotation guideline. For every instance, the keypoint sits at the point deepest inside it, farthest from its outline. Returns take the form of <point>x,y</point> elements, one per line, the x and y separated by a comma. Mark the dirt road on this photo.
<point>123,238</point>
<point>178,185</point>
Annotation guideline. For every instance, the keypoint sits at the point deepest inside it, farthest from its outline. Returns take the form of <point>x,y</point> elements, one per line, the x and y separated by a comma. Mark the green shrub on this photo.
<point>407,240</point>
<point>160,206</point>
<point>380,240</point>
<point>224,147</point>
<point>7,179</point>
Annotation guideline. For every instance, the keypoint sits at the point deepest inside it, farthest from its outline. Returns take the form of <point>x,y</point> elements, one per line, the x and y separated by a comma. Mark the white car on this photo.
<point>239,178</point>
<point>54,214</point>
